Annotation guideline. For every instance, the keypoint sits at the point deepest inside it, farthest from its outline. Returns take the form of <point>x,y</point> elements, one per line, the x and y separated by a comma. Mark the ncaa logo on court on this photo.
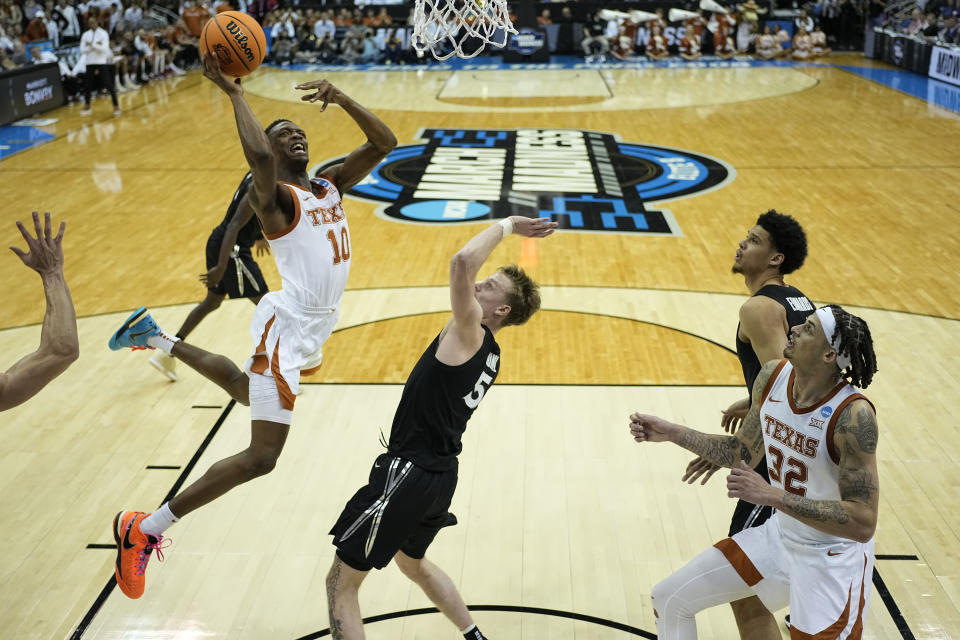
<point>584,180</point>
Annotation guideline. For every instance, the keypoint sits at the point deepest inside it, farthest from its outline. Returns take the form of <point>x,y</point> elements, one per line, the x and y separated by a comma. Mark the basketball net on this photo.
<point>445,27</point>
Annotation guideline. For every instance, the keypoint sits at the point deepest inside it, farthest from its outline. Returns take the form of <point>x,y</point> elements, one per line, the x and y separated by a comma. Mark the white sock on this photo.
<point>468,629</point>
<point>163,342</point>
<point>158,521</point>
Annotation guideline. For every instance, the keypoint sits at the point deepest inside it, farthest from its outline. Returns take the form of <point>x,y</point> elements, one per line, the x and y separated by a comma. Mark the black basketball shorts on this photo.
<point>402,508</point>
<point>230,285</point>
<point>747,514</point>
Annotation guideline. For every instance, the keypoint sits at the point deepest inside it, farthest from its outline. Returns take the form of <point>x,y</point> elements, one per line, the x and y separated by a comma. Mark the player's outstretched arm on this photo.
<point>59,345</point>
<point>854,515</point>
<point>366,157</point>
<point>725,451</point>
<point>253,139</point>
<point>466,263</point>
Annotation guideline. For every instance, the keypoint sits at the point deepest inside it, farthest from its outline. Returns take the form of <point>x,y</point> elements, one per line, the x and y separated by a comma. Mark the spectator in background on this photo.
<point>369,18</point>
<point>50,20</point>
<point>393,47</point>
<point>6,44</point>
<point>767,47</point>
<point>324,26</point>
<point>307,45</point>
<point>371,52</point>
<point>565,44</point>
<point>914,24</point>
<point>184,47</point>
<point>344,19</point>
<point>819,40</point>
<point>98,59</point>
<point>802,45</point>
<point>30,10</point>
<point>328,50</point>
<point>132,15</point>
<point>195,15</point>
<point>544,17</point>
<point>12,13</point>
<point>148,56</point>
<point>19,55</point>
<point>803,20</point>
<point>849,21</point>
<point>690,44</point>
<point>657,43</point>
<point>68,22</point>
<point>782,37</point>
<point>36,28</point>
<point>595,40</point>
<point>356,28</point>
<point>6,62</point>
<point>383,18</point>
<point>950,34</point>
<point>351,49</point>
<point>724,43</point>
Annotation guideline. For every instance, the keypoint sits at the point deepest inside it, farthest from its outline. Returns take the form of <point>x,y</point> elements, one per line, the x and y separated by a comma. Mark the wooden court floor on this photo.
<point>565,523</point>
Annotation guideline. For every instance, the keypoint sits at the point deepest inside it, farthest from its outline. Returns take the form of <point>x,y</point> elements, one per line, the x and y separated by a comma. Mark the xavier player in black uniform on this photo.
<point>774,247</point>
<point>231,269</point>
<point>406,501</point>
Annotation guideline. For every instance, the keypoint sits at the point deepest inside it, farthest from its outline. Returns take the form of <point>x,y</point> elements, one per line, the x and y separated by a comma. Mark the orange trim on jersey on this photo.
<point>286,396</point>
<point>834,454</point>
<point>857,631</point>
<point>296,217</point>
<point>739,561</point>
<point>771,381</point>
<point>802,410</point>
<point>836,629</point>
<point>311,370</point>
<point>260,361</point>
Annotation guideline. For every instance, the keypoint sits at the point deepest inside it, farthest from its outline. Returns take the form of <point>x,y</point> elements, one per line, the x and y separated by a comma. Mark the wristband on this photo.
<point>507,225</point>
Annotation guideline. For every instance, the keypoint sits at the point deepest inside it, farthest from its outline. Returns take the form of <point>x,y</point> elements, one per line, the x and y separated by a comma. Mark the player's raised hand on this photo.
<point>213,72</point>
<point>748,485</point>
<point>646,428</point>
<point>44,253</point>
<point>533,227</point>
<point>699,467</point>
<point>734,414</point>
<point>322,90</point>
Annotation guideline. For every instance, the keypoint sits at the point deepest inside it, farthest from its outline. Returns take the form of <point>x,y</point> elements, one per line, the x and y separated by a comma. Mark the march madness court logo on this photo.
<point>585,180</point>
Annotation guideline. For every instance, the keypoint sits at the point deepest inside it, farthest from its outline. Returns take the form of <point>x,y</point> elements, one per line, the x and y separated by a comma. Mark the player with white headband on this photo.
<point>819,433</point>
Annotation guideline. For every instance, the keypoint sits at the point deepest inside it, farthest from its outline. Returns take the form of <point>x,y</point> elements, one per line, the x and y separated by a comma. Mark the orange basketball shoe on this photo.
<point>133,552</point>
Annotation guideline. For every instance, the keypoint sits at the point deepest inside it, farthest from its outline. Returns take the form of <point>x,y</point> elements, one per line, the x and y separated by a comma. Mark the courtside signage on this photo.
<point>585,180</point>
<point>945,65</point>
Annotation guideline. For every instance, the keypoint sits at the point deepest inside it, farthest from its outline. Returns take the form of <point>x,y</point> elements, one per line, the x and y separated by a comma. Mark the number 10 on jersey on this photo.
<point>341,250</point>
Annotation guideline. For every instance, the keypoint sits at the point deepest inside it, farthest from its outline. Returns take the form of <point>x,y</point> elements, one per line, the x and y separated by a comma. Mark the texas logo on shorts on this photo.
<point>584,180</point>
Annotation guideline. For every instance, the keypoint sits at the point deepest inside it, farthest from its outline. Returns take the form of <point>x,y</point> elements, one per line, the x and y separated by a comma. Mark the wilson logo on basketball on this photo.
<point>585,180</point>
<point>241,39</point>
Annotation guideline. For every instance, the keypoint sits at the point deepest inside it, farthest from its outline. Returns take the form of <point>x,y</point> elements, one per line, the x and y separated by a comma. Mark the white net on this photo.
<point>461,28</point>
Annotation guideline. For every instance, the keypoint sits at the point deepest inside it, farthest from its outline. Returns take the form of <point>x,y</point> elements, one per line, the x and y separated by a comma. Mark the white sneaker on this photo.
<point>165,364</point>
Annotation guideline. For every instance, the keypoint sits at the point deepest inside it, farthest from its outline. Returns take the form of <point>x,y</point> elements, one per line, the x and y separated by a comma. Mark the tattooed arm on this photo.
<point>854,515</point>
<point>726,451</point>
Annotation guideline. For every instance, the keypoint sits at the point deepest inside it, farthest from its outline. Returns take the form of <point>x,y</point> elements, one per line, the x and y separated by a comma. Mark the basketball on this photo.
<point>237,40</point>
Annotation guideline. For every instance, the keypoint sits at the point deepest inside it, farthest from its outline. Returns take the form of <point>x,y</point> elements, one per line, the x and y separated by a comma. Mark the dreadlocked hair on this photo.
<point>787,237</point>
<point>857,344</point>
<point>275,123</point>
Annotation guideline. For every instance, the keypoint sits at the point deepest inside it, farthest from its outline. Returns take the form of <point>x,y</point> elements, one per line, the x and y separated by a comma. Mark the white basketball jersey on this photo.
<point>798,442</point>
<point>313,254</point>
